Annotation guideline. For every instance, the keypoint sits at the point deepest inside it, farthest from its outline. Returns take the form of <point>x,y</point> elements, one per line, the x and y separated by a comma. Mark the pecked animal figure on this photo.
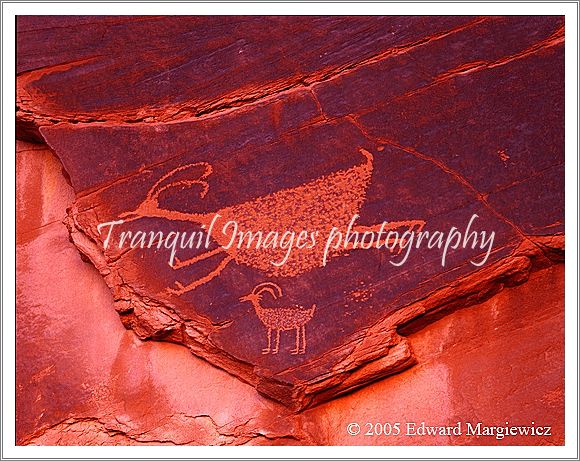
<point>317,206</point>
<point>280,318</point>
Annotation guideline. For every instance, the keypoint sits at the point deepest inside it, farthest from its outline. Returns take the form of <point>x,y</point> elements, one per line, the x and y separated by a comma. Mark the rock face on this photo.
<point>84,379</point>
<point>427,123</point>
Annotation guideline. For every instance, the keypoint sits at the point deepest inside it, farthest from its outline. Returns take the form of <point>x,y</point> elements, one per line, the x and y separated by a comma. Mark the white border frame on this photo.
<point>11,9</point>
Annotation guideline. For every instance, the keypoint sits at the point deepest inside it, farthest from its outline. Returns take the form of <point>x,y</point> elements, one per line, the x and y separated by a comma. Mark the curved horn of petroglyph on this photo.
<point>270,287</point>
<point>159,186</point>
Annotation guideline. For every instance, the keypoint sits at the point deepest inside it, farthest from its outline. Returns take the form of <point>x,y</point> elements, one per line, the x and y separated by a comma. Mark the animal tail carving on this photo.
<point>368,156</point>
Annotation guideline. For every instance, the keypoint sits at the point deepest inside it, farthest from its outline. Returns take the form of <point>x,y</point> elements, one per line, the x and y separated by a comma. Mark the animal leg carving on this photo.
<point>178,264</point>
<point>303,350</point>
<point>267,349</point>
<point>277,342</point>
<point>297,349</point>
<point>181,289</point>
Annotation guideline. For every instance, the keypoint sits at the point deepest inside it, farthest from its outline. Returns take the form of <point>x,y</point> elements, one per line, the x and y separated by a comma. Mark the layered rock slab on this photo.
<point>193,65</point>
<point>406,160</point>
<point>499,361</point>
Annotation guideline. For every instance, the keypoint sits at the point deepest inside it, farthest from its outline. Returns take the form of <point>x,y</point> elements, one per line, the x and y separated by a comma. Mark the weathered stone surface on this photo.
<point>190,66</point>
<point>226,331</point>
<point>82,379</point>
<point>41,194</point>
<point>498,362</point>
<point>421,124</point>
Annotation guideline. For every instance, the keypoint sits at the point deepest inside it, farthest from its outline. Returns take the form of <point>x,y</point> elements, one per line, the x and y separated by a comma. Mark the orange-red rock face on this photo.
<point>83,379</point>
<point>495,362</point>
<point>420,122</point>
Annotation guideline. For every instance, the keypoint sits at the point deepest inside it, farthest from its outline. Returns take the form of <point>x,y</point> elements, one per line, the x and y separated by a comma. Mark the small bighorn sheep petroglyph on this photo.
<point>280,318</point>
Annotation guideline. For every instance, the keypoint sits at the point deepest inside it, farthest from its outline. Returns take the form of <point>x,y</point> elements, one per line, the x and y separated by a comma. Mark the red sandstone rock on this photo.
<point>83,379</point>
<point>448,137</point>
<point>190,66</point>
<point>496,362</point>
